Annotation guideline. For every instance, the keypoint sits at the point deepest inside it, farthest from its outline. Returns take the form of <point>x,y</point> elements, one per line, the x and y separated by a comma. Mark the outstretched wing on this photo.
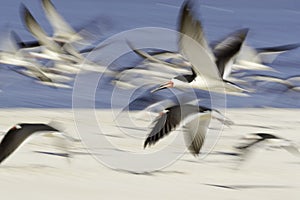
<point>62,30</point>
<point>195,131</point>
<point>36,30</point>
<point>164,124</point>
<point>17,135</point>
<point>190,42</point>
<point>226,49</point>
<point>169,120</point>
<point>191,27</point>
<point>269,54</point>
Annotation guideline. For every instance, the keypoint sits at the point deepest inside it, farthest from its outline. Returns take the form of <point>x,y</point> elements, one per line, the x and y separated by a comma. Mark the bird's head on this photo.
<point>173,83</point>
<point>16,127</point>
<point>168,84</point>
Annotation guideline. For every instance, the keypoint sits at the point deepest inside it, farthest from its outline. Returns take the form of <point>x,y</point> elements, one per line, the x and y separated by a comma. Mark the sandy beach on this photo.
<point>267,174</point>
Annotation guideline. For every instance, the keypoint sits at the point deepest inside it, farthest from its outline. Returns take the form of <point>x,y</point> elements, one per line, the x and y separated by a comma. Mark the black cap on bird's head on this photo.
<point>180,80</point>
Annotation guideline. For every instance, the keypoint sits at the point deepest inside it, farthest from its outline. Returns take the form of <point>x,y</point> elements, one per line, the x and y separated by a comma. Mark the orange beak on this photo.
<point>168,84</point>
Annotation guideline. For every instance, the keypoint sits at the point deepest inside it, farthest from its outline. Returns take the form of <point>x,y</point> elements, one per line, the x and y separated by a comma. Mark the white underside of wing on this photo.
<point>61,28</point>
<point>64,68</point>
<point>7,44</point>
<point>268,57</point>
<point>247,53</point>
<point>56,85</point>
<point>40,34</point>
<point>228,69</point>
<point>215,85</point>
<point>195,131</point>
<point>295,79</point>
<point>203,63</point>
<point>248,65</point>
<point>57,142</point>
<point>291,149</point>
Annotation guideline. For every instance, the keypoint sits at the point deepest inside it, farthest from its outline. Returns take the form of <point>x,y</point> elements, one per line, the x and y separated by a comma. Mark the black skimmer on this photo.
<point>66,56</point>
<point>243,57</point>
<point>224,51</point>
<point>231,54</point>
<point>19,133</point>
<point>63,32</point>
<point>10,54</point>
<point>60,47</point>
<point>272,140</point>
<point>205,73</point>
<point>287,81</point>
<point>56,81</point>
<point>257,58</point>
<point>266,55</point>
<point>52,49</point>
<point>196,120</point>
<point>227,49</point>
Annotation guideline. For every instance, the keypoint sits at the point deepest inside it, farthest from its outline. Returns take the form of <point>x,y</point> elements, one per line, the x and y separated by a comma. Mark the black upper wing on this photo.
<point>227,48</point>
<point>16,136</point>
<point>169,120</point>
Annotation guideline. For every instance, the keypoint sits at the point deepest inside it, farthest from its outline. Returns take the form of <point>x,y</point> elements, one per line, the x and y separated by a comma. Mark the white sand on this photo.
<point>266,175</point>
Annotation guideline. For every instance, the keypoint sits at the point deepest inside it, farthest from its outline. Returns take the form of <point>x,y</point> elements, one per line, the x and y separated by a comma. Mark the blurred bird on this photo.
<point>268,139</point>
<point>287,81</point>
<point>205,74</point>
<point>226,50</point>
<point>20,132</point>
<point>10,54</point>
<point>52,50</point>
<point>263,55</point>
<point>232,56</point>
<point>230,53</point>
<point>58,48</point>
<point>63,32</point>
<point>196,120</point>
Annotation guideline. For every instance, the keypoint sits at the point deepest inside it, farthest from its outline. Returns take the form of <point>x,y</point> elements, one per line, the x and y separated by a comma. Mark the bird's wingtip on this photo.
<point>146,143</point>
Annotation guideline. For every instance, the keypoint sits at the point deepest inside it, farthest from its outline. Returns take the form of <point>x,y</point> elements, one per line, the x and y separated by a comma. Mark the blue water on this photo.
<point>271,22</point>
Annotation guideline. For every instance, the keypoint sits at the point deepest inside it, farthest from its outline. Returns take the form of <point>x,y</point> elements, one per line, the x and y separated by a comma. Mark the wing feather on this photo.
<point>195,132</point>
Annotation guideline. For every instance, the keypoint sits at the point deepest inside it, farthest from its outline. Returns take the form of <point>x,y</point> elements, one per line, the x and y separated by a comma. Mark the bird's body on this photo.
<point>255,139</point>
<point>194,47</point>
<point>194,119</point>
<point>172,117</point>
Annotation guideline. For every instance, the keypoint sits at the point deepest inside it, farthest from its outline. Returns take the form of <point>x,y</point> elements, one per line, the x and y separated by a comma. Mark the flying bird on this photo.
<point>52,50</point>
<point>205,74</point>
<point>196,120</point>
<point>269,139</point>
<point>263,54</point>
<point>63,32</point>
<point>286,81</point>
<point>21,132</point>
